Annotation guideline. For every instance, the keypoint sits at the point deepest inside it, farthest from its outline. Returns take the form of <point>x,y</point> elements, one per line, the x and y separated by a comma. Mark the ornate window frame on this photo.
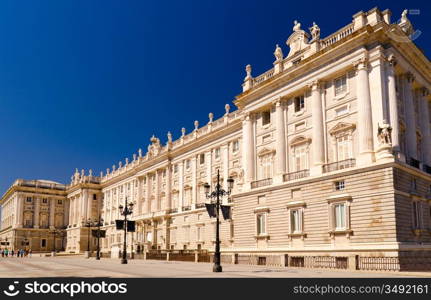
<point>345,199</point>
<point>340,130</point>
<point>300,141</point>
<point>300,207</point>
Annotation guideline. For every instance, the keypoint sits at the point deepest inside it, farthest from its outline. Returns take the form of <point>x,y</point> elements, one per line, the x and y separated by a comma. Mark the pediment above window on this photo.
<point>265,151</point>
<point>342,127</point>
<point>298,140</point>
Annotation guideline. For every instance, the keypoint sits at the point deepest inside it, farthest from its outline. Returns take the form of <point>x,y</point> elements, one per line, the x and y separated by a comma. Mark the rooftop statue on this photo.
<point>405,23</point>
<point>296,26</point>
<point>315,31</point>
<point>278,53</point>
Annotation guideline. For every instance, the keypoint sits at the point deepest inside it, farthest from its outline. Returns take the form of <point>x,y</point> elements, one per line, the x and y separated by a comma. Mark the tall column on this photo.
<point>66,207</point>
<point>158,205</point>
<point>280,141</point>
<point>71,209</point>
<point>148,197</point>
<point>19,211</point>
<point>52,213</point>
<point>425,126</point>
<point>225,162</point>
<point>410,116</point>
<point>208,163</point>
<point>365,122</point>
<point>90,205</point>
<point>180,185</point>
<point>169,186</point>
<point>393,105</point>
<point>36,212</point>
<point>76,210</point>
<point>317,120</point>
<point>194,181</point>
<point>248,150</point>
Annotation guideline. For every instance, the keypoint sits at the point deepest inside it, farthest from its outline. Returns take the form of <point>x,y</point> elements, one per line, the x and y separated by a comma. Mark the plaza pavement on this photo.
<point>78,266</point>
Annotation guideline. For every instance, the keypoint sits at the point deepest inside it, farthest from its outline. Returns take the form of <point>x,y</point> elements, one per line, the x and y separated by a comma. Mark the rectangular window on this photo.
<point>188,164</point>
<point>235,146</point>
<point>340,216</point>
<point>341,111</point>
<point>176,168</point>
<point>217,153</point>
<point>296,220</point>
<point>339,185</point>
<point>202,159</point>
<point>44,200</point>
<point>28,199</point>
<point>261,224</point>
<point>198,233</point>
<point>94,197</point>
<point>266,117</point>
<point>417,215</point>
<point>43,243</point>
<point>266,166</point>
<point>344,148</point>
<point>261,200</point>
<point>300,158</point>
<point>299,103</point>
<point>340,85</point>
<point>59,202</point>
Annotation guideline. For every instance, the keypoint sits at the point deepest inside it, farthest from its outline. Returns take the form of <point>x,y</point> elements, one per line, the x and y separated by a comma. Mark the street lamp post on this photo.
<point>125,211</point>
<point>99,223</point>
<point>88,224</point>
<point>217,194</point>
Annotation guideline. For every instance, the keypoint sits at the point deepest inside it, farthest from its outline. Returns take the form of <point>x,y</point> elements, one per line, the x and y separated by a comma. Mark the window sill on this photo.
<point>302,235</point>
<point>299,113</point>
<point>341,96</point>
<point>347,232</point>
<point>262,237</point>
<point>261,209</point>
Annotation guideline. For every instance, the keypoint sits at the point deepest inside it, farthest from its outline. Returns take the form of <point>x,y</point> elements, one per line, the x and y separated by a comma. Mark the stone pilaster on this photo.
<point>158,204</point>
<point>248,150</point>
<point>317,120</point>
<point>208,164</point>
<point>180,185</point>
<point>66,208</point>
<point>36,212</point>
<point>148,196</point>
<point>169,186</point>
<point>194,181</point>
<point>225,162</point>
<point>52,213</point>
<point>280,142</point>
<point>410,116</point>
<point>19,211</point>
<point>365,122</point>
<point>425,126</point>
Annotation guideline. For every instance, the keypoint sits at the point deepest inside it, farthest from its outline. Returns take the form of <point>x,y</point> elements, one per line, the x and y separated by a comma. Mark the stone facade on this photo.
<point>330,151</point>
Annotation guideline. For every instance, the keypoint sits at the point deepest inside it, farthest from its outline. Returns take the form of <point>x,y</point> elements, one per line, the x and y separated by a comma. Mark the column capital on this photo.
<point>248,116</point>
<point>361,64</point>
<point>424,91</point>
<point>278,102</point>
<point>315,84</point>
<point>391,59</point>
<point>409,77</point>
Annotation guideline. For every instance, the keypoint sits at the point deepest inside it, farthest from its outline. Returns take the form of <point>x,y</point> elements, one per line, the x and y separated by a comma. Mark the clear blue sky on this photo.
<point>83,84</point>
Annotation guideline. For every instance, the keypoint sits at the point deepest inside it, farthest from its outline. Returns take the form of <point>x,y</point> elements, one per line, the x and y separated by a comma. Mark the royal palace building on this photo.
<point>330,152</point>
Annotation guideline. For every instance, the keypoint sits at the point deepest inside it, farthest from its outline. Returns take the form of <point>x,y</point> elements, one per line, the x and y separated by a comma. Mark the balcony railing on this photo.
<point>426,168</point>
<point>414,162</point>
<point>261,183</point>
<point>339,165</point>
<point>187,207</point>
<point>296,175</point>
